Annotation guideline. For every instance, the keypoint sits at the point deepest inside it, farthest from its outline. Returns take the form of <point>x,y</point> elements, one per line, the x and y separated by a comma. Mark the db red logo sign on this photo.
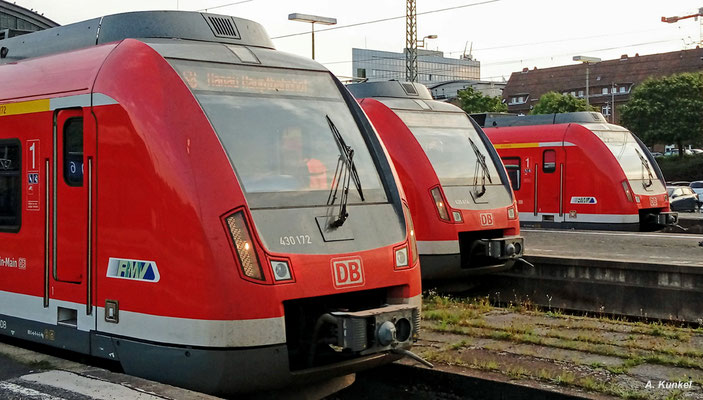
<point>653,201</point>
<point>486,219</point>
<point>347,273</point>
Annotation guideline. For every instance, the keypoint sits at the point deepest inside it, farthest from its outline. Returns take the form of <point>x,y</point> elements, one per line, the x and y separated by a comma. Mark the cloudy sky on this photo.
<point>506,35</point>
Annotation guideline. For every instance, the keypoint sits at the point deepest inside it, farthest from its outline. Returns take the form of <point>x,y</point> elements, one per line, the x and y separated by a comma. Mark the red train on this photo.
<point>459,194</point>
<point>178,196</point>
<point>575,170</point>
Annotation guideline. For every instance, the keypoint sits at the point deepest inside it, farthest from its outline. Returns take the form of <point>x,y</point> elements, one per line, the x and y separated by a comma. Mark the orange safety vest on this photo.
<point>318,174</point>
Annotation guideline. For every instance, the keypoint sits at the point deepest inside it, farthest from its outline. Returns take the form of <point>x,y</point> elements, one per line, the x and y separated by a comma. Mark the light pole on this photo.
<point>421,43</point>
<point>312,19</point>
<point>587,60</point>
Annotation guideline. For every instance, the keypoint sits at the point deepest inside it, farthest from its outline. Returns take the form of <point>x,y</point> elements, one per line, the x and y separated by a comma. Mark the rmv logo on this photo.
<point>347,272</point>
<point>133,269</point>
<point>486,219</point>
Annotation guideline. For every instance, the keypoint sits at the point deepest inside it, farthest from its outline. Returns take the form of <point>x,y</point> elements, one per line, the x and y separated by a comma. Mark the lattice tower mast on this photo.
<point>410,41</point>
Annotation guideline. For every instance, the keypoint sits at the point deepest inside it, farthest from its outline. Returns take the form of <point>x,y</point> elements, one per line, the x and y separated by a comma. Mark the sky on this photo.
<point>504,35</point>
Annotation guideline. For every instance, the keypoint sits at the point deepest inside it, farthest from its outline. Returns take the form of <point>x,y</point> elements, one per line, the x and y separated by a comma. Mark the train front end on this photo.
<point>459,194</point>
<point>285,247</point>
<point>324,229</point>
<point>643,186</point>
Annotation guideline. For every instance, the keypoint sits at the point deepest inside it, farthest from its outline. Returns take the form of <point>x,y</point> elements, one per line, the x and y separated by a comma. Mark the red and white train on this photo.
<point>576,170</point>
<point>459,194</point>
<point>178,196</point>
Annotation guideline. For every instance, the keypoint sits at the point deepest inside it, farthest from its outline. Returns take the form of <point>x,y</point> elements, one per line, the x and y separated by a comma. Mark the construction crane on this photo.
<point>671,20</point>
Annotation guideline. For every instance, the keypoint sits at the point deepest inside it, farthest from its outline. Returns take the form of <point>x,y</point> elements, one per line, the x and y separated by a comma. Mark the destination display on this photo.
<point>252,80</point>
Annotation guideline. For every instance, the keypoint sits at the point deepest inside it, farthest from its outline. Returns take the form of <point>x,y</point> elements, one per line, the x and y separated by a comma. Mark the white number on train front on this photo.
<point>295,240</point>
<point>3,324</point>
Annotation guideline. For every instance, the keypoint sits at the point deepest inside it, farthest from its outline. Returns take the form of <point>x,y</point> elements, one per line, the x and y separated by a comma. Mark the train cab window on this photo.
<point>73,152</point>
<point>10,185</point>
<point>512,166</point>
<point>549,161</point>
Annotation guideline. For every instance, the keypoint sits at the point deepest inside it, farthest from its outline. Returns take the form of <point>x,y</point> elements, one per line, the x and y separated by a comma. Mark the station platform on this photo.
<point>692,222</point>
<point>631,274</point>
<point>633,247</point>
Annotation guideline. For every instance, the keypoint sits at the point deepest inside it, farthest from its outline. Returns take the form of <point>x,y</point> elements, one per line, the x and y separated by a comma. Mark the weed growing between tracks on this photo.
<point>521,342</point>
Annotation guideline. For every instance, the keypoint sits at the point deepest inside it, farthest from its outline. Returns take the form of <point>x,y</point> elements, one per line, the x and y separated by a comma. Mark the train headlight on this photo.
<point>281,270</point>
<point>439,203</point>
<point>244,247</point>
<point>401,257</point>
<point>411,233</point>
<point>511,212</point>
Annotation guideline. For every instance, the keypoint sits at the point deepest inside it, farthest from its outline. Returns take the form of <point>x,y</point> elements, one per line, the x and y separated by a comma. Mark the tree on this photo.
<point>553,102</point>
<point>473,101</point>
<point>667,110</point>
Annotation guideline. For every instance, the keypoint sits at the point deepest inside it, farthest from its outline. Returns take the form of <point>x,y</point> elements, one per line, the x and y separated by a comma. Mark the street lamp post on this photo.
<point>312,19</point>
<point>587,60</point>
<point>422,43</point>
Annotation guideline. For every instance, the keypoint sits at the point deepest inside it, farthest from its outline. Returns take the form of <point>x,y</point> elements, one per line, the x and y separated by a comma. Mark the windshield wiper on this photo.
<point>645,165</point>
<point>343,173</point>
<point>480,163</point>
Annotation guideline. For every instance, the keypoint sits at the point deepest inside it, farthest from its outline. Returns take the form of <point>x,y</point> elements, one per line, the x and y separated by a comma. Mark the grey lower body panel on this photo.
<point>448,266</point>
<point>225,372</point>
<point>61,336</point>
<point>596,226</point>
<point>218,371</point>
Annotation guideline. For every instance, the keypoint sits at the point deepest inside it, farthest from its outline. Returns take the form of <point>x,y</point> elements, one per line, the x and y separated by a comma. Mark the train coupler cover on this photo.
<point>503,248</point>
<point>378,329</point>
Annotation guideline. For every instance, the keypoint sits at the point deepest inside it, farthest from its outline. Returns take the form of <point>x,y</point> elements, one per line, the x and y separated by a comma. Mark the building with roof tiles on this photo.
<point>16,20</point>
<point>610,81</point>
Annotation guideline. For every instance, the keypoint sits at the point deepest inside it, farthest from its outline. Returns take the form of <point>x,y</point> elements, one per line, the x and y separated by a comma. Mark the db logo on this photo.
<point>486,219</point>
<point>653,201</point>
<point>347,272</point>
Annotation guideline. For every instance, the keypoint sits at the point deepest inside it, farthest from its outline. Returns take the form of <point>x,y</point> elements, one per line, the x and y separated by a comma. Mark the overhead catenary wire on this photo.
<point>225,5</point>
<point>386,19</point>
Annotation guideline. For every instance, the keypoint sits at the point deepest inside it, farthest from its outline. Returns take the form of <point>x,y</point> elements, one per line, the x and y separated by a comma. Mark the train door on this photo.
<point>550,185</point>
<point>72,210</point>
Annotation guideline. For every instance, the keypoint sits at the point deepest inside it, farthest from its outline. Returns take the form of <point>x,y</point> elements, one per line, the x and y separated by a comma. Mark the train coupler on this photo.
<point>502,248</point>
<point>388,328</point>
<point>666,218</point>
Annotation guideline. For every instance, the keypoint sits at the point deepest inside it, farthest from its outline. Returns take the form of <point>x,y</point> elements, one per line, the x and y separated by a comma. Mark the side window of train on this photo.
<point>512,165</point>
<point>549,161</point>
<point>73,152</point>
<point>10,185</point>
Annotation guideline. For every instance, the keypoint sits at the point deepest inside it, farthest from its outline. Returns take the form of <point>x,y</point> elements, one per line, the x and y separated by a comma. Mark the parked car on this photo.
<point>697,187</point>
<point>682,198</point>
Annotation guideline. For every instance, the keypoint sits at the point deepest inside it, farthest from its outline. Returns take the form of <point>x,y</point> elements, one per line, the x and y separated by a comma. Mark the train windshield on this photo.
<point>447,139</point>
<point>630,155</point>
<point>276,126</point>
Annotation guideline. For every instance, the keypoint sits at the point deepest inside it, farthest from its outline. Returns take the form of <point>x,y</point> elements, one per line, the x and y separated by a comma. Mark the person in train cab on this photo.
<point>311,172</point>
<point>318,173</point>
